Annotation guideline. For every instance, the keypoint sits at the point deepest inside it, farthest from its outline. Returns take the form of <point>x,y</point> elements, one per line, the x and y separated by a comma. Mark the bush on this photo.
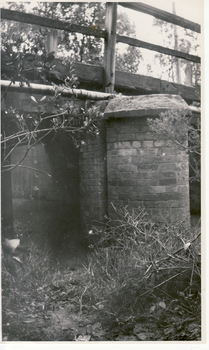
<point>141,272</point>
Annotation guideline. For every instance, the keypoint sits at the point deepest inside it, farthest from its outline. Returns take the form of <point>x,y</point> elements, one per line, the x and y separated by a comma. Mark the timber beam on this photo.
<point>50,23</point>
<point>163,15</point>
<point>133,84</point>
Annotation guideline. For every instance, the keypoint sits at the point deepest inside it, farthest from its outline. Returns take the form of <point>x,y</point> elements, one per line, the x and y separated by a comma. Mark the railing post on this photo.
<point>52,40</point>
<point>110,44</point>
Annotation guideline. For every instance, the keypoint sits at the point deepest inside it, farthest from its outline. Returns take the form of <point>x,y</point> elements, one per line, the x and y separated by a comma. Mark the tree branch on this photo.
<point>27,167</point>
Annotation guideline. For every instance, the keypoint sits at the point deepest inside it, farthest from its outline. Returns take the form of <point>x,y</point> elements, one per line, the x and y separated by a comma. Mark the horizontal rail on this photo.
<point>127,83</point>
<point>163,15</point>
<point>51,23</point>
<point>49,90</point>
<point>158,48</point>
<point>79,93</point>
<point>132,83</point>
<point>57,24</point>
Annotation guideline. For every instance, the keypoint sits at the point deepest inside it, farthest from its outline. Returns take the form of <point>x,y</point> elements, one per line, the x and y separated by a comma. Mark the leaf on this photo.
<point>33,99</point>
<point>18,260</point>
<point>57,121</point>
<point>50,57</point>
<point>85,337</point>
<point>187,245</point>
<point>142,336</point>
<point>10,245</point>
<point>29,57</point>
<point>43,98</point>
<point>162,304</point>
<point>152,309</point>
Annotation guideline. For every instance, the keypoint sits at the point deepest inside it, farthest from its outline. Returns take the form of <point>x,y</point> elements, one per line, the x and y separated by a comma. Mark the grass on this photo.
<point>33,294</point>
<point>142,282</point>
<point>143,273</point>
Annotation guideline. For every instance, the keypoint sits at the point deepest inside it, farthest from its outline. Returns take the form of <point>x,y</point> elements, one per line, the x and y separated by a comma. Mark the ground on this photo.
<point>50,298</point>
<point>53,311</point>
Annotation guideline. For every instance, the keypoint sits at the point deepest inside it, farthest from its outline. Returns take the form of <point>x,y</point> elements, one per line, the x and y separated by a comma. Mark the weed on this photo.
<point>142,282</point>
<point>142,272</point>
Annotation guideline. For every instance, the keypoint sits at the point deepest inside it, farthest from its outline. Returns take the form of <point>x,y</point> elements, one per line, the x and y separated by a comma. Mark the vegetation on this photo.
<point>81,48</point>
<point>35,292</point>
<point>174,126</point>
<point>147,278</point>
<point>25,58</point>
<point>142,282</point>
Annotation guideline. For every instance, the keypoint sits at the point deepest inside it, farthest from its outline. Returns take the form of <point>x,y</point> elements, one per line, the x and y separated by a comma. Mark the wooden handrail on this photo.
<point>57,24</point>
<point>51,23</point>
<point>126,80</point>
<point>158,48</point>
<point>163,15</point>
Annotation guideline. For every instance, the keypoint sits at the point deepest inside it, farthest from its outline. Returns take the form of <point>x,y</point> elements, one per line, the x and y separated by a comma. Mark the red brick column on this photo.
<point>143,169</point>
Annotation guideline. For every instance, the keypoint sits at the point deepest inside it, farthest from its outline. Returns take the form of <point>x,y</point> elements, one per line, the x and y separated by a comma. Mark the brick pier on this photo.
<point>129,165</point>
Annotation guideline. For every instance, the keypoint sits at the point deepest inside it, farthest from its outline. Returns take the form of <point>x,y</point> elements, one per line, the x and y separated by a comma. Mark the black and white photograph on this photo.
<point>101,177</point>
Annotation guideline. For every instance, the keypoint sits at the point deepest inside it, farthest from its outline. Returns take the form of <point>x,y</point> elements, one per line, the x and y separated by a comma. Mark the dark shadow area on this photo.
<point>50,205</point>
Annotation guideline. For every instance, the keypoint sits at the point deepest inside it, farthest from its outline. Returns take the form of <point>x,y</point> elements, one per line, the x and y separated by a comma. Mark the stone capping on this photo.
<point>143,105</point>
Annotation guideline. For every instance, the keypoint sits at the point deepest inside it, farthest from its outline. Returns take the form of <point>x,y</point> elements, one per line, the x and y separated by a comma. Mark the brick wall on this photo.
<point>144,170</point>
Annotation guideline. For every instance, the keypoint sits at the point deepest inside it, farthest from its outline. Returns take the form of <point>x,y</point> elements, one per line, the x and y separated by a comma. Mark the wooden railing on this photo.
<point>111,78</point>
<point>163,15</point>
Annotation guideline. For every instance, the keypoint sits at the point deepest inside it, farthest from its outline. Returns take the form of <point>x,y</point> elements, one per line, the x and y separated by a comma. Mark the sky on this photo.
<point>142,21</point>
<point>189,9</point>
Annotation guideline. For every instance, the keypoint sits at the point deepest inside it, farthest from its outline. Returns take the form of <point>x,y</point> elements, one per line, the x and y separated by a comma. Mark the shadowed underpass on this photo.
<point>54,225</point>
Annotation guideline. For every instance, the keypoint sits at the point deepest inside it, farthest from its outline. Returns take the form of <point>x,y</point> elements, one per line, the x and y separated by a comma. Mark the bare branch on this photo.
<point>27,167</point>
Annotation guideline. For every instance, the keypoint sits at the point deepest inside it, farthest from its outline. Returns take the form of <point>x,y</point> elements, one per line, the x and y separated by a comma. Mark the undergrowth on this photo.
<point>146,278</point>
<point>142,282</point>
<point>34,288</point>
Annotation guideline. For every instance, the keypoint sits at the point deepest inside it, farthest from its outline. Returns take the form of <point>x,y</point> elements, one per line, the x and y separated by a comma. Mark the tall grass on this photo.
<point>136,265</point>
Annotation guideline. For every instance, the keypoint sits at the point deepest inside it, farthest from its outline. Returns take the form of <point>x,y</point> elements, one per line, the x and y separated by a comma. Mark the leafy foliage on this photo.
<point>128,61</point>
<point>50,115</point>
<point>32,128</point>
<point>25,59</point>
<point>79,47</point>
<point>176,125</point>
